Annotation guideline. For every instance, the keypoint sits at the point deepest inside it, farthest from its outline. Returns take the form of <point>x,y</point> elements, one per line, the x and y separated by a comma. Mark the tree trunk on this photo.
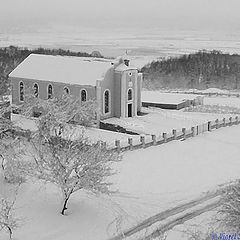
<point>3,160</point>
<point>65,205</point>
<point>10,232</point>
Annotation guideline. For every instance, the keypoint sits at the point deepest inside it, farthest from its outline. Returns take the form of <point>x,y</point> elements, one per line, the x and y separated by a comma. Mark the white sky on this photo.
<point>178,14</point>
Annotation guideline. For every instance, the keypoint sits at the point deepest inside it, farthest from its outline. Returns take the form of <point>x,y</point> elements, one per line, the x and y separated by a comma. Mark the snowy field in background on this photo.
<point>143,46</point>
<point>149,181</point>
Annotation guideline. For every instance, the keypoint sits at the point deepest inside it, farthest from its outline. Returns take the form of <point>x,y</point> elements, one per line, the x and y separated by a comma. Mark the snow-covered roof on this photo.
<point>165,98</point>
<point>63,69</point>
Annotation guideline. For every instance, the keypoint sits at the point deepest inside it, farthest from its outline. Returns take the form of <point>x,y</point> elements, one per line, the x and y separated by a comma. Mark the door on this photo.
<point>130,110</point>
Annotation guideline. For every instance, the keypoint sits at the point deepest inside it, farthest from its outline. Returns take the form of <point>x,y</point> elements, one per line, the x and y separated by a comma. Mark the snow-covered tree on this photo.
<point>8,221</point>
<point>71,165</point>
<point>60,110</point>
<point>10,148</point>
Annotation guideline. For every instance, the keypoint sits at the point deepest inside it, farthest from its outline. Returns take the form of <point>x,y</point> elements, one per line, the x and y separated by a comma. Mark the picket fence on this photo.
<point>144,142</point>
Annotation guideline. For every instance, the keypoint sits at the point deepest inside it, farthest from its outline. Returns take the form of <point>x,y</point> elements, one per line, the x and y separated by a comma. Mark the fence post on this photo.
<point>197,133</point>
<point>224,122</point>
<point>184,133</point>
<point>209,126</point>
<point>230,121</point>
<point>236,119</point>
<point>217,123</point>
<point>117,144</point>
<point>164,137</point>
<point>193,131</point>
<point>174,132</point>
<point>130,142</point>
<point>142,140</point>
<point>154,139</point>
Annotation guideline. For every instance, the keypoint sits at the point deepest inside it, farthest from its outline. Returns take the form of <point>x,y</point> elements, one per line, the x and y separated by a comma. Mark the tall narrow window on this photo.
<point>35,90</point>
<point>66,90</point>
<point>50,91</point>
<point>106,101</point>
<point>129,94</point>
<point>83,95</point>
<point>21,92</point>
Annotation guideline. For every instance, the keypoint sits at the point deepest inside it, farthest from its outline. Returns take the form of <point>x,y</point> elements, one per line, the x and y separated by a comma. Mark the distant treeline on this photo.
<point>200,70</point>
<point>11,56</point>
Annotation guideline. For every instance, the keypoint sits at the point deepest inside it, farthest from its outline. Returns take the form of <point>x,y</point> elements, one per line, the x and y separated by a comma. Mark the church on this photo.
<point>115,85</point>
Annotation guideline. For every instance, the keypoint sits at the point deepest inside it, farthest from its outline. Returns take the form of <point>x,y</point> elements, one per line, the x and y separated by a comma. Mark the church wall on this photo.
<point>108,84</point>
<point>130,77</point>
<point>117,94</point>
<point>43,85</point>
<point>139,101</point>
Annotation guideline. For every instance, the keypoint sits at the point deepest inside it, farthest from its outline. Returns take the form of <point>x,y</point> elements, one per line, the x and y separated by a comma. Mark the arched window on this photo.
<point>66,90</point>
<point>21,92</point>
<point>129,94</point>
<point>35,90</point>
<point>50,91</point>
<point>106,101</point>
<point>83,95</point>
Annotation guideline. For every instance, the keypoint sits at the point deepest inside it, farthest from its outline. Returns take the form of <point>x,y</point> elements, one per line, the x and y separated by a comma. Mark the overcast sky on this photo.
<point>174,14</point>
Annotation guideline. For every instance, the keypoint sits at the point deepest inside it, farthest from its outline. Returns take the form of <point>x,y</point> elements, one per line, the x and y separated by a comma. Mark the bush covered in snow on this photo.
<point>8,221</point>
<point>230,209</point>
<point>56,158</point>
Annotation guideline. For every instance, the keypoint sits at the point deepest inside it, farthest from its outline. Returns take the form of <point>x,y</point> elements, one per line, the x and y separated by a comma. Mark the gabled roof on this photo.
<point>63,69</point>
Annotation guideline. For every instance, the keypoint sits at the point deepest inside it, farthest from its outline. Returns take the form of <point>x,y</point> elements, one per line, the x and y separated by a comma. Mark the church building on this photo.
<point>115,85</point>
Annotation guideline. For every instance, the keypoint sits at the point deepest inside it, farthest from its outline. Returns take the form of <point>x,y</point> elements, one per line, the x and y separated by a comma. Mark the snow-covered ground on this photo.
<point>223,101</point>
<point>149,181</point>
<point>157,120</point>
<point>204,224</point>
<point>93,134</point>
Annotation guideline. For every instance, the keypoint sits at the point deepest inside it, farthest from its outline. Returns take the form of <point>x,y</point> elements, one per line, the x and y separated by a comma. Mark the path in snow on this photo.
<point>169,213</point>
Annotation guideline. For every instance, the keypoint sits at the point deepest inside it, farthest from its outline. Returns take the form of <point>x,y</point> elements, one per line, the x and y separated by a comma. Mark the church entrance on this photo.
<point>130,110</point>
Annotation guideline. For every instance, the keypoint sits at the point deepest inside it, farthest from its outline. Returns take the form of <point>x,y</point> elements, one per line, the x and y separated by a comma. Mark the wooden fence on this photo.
<point>145,142</point>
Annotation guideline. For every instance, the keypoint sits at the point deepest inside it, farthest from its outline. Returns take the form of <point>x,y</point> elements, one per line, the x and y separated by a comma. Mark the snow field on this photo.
<point>148,180</point>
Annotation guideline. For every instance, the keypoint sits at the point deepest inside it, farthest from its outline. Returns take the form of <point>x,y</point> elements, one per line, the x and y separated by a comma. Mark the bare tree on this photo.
<point>10,147</point>
<point>70,165</point>
<point>8,221</point>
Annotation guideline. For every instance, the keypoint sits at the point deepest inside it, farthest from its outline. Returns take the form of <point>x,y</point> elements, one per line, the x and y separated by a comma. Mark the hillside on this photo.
<point>11,56</point>
<point>199,70</point>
